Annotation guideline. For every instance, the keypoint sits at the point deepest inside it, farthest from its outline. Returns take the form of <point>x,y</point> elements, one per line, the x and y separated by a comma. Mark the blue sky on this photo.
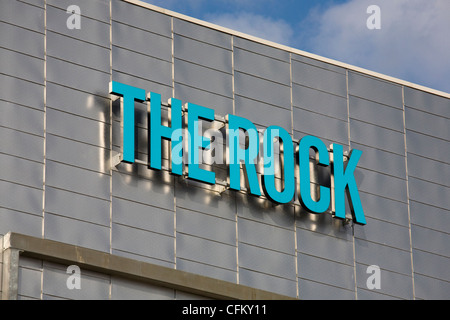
<point>413,43</point>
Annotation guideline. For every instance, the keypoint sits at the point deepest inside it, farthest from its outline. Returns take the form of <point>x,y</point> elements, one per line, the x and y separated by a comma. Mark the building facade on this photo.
<point>78,222</point>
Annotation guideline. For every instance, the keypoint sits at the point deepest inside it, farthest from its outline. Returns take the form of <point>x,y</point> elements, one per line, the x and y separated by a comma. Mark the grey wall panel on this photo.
<point>381,184</point>
<point>77,102</point>
<point>384,233</point>
<point>320,102</point>
<point>326,271</point>
<point>124,289</point>
<point>12,37</point>
<point>432,265</point>
<point>143,243</point>
<point>206,270</point>
<point>22,66</point>
<point>31,17</point>
<point>77,77</point>
<point>318,78</point>
<point>391,283</point>
<point>262,66</point>
<point>203,78</point>
<point>318,63</point>
<point>206,201</point>
<point>206,251</point>
<point>149,86</point>
<point>142,66</point>
<point>377,137</point>
<point>31,204</point>
<point>311,290</point>
<point>376,90</point>
<point>322,224</point>
<point>200,33</point>
<point>92,31</point>
<point>141,216</point>
<point>22,118</point>
<point>39,3</point>
<point>321,126</point>
<point>263,211</point>
<point>93,285</point>
<point>427,146</point>
<point>13,89</point>
<point>94,132</point>
<point>430,240</point>
<point>97,9</point>
<point>262,90</point>
<point>429,216</point>
<point>375,113</point>
<point>430,288</point>
<point>324,246</point>
<point>365,294</point>
<point>430,193</point>
<point>267,282</point>
<point>387,258</point>
<point>77,206</point>
<point>16,221</point>
<point>263,114</point>
<point>260,48</point>
<point>21,171</point>
<point>267,261</point>
<point>77,51</point>
<point>76,232</point>
<point>427,102</point>
<point>77,180</point>
<point>221,105</point>
<point>384,209</point>
<point>20,144</point>
<point>29,283</point>
<point>266,236</point>
<point>427,123</point>
<point>141,41</point>
<point>153,192</point>
<point>298,135</point>
<point>206,226</point>
<point>202,53</point>
<point>381,161</point>
<point>77,154</point>
<point>137,17</point>
<point>428,169</point>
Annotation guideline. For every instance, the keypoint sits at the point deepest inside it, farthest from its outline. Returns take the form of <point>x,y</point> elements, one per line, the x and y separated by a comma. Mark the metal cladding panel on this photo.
<point>91,30</point>
<point>202,53</point>
<point>12,37</point>
<point>60,127</point>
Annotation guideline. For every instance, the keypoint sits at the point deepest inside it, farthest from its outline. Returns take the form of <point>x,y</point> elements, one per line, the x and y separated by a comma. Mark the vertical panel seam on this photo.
<point>294,206</point>
<point>45,141</point>
<point>110,145</point>
<point>350,146</point>
<point>407,192</point>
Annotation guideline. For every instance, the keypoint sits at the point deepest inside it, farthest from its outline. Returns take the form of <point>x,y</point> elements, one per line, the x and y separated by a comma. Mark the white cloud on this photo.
<point>412,44</point>
<point>256,25</point>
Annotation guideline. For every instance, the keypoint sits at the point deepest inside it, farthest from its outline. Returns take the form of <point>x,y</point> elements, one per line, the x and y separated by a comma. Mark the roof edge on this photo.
<point>287,48</point>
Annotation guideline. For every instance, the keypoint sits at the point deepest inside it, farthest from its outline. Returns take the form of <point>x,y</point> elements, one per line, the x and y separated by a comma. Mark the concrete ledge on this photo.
<point>106,263</point>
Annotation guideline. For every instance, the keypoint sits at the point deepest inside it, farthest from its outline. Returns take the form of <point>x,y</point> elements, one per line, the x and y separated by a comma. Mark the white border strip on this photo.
<point>286,48</point>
